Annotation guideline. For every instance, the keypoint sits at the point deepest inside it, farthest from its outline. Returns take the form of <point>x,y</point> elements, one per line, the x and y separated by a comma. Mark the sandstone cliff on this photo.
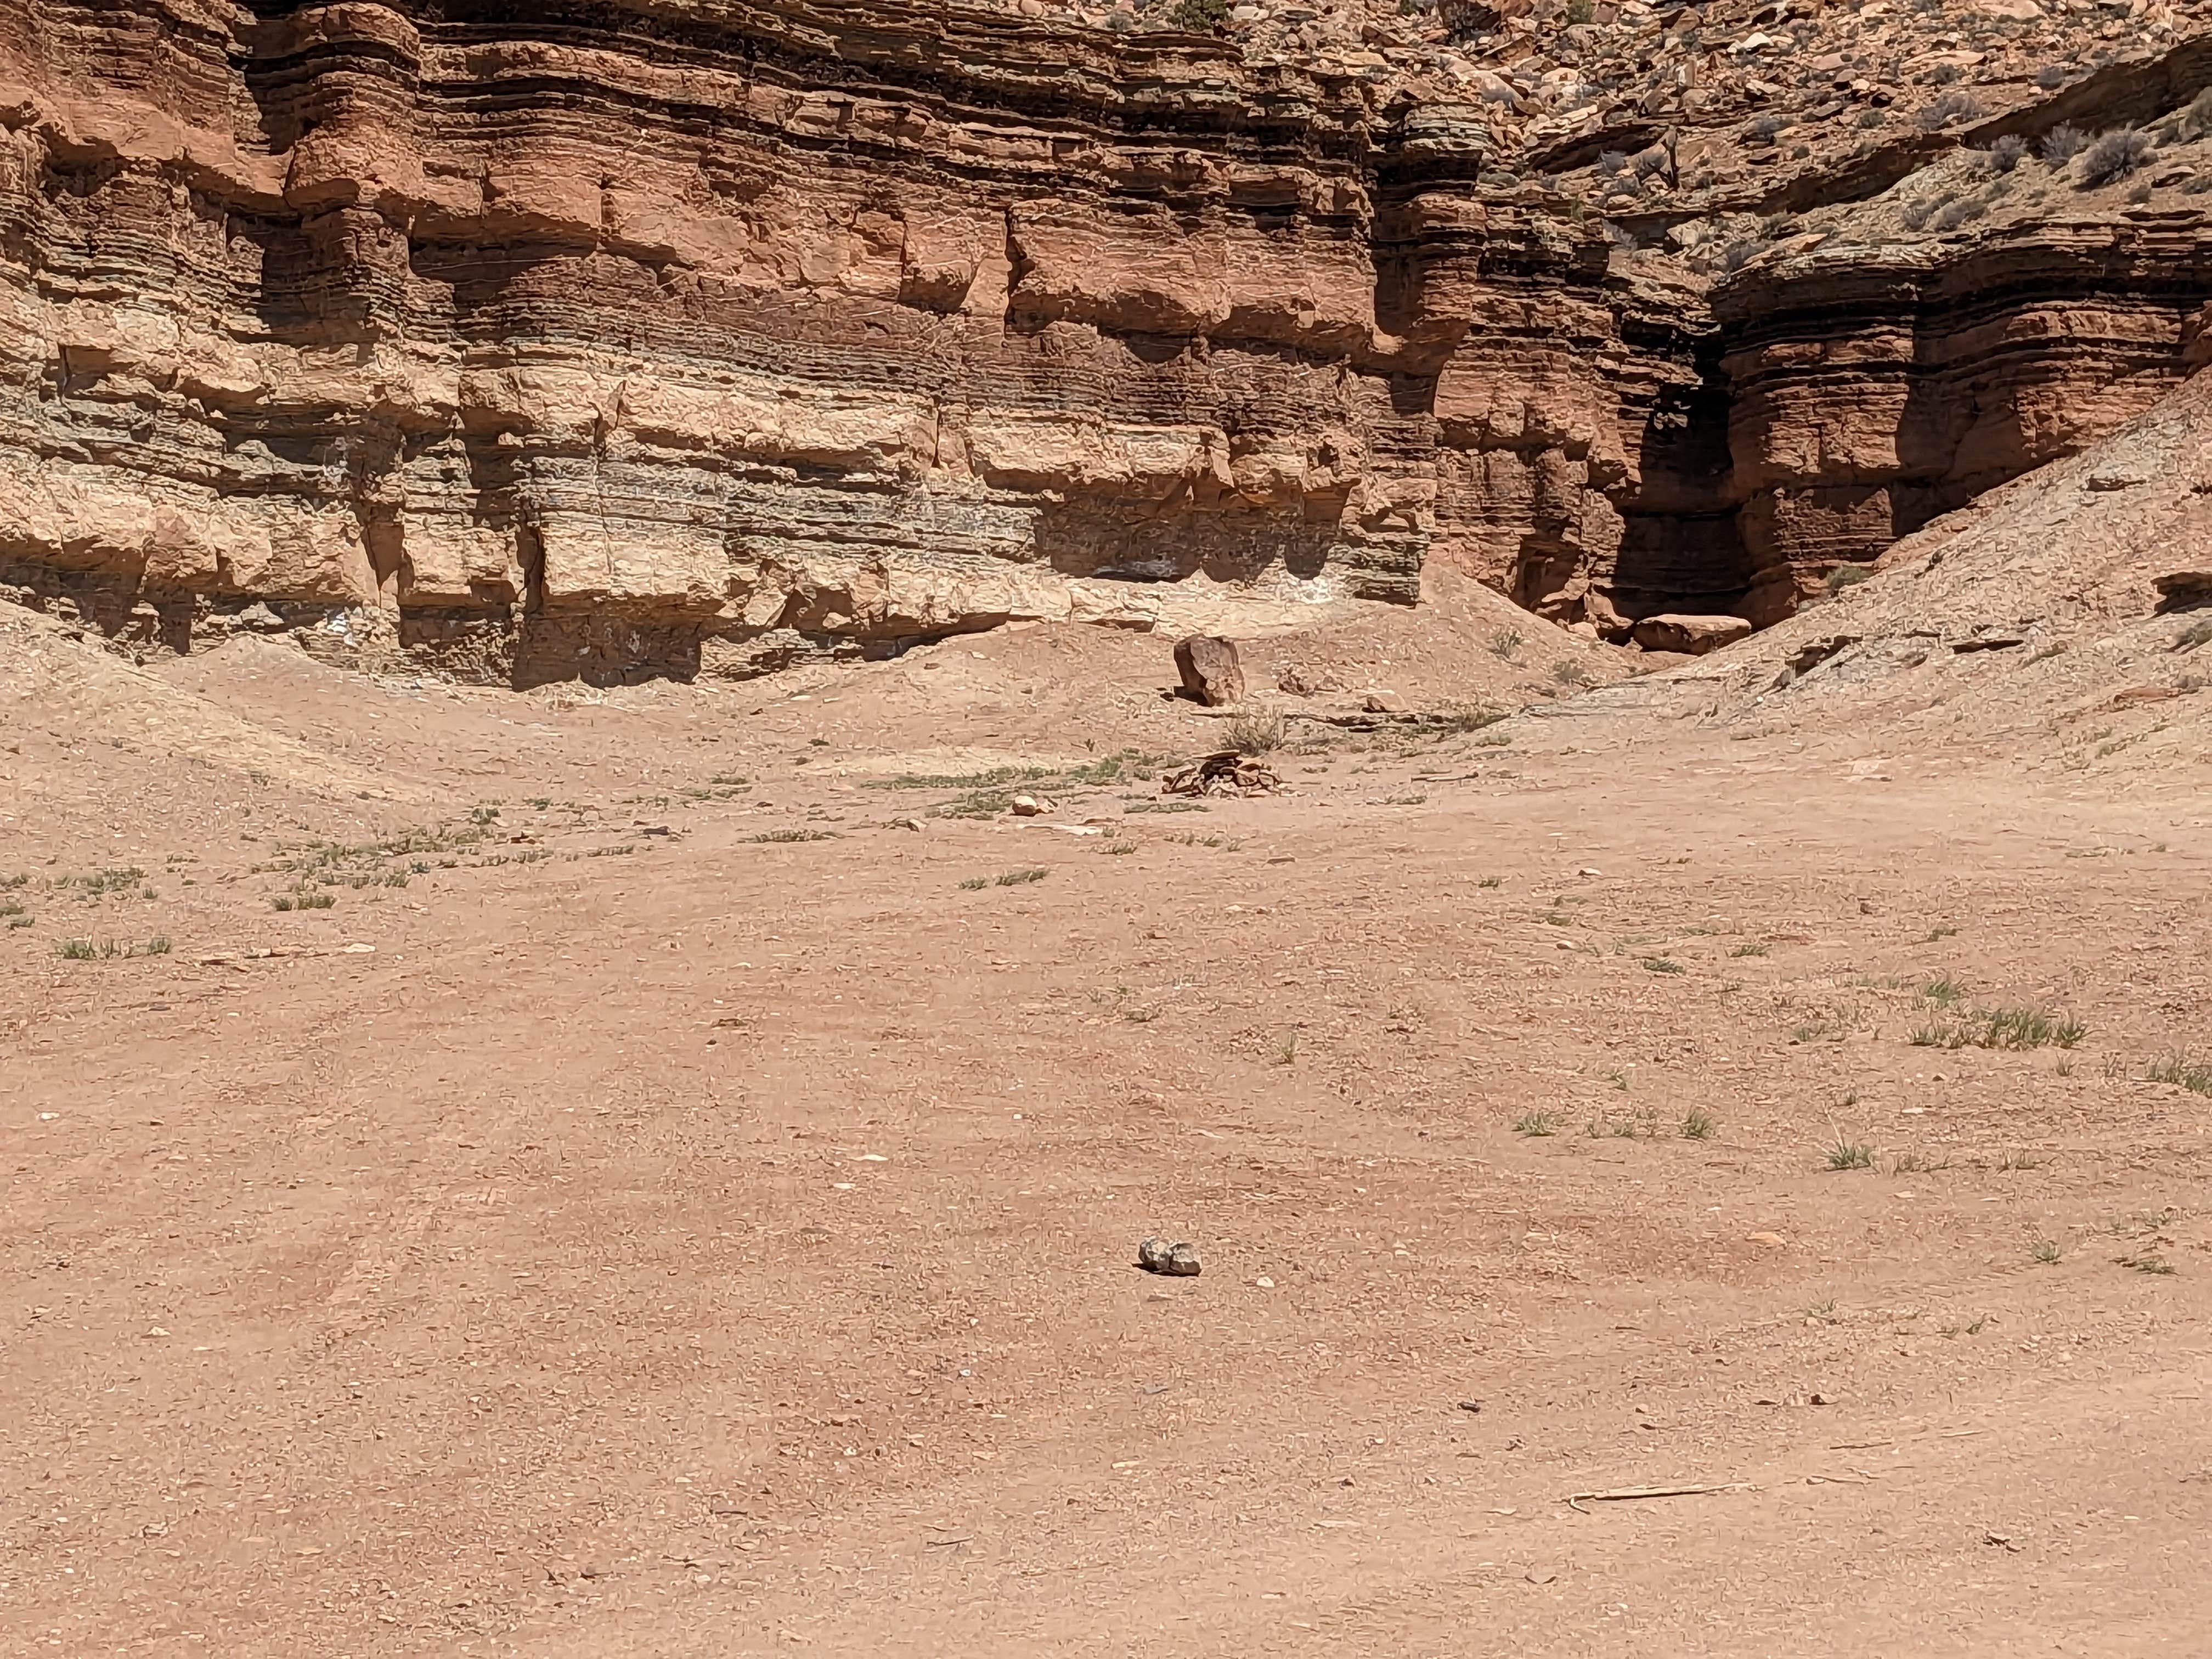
<point>691,337</point>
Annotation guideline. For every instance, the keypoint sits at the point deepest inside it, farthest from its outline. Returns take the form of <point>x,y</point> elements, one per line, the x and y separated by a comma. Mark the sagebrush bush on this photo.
<point>2113,157</point>
<point>1950,107</point>
<point>2063,144</point>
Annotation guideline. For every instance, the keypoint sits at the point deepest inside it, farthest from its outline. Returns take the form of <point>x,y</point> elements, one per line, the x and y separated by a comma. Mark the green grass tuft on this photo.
<point>2185,1071</point>
<point>1850,1155</point>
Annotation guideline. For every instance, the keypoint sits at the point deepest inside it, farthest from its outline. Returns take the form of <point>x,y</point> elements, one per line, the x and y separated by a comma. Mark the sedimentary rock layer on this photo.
<point>629,338</point>
<point>1870,394</point>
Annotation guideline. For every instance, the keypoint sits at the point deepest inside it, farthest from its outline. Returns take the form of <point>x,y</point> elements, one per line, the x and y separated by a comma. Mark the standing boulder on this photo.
<point>1209,669</point>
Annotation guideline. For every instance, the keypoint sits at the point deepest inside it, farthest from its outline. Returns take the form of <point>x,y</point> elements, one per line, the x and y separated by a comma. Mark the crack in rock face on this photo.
<point>373,326</point>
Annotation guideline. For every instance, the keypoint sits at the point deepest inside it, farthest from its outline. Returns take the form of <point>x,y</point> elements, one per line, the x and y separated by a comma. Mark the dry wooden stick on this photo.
<point>1622,1494</point>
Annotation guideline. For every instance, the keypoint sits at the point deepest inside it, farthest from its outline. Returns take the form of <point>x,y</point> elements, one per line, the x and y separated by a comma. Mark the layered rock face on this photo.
<point>621,339</point>
<point>1872,394</point>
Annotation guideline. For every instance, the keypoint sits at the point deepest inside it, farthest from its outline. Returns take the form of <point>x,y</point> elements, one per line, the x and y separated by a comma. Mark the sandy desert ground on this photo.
<point>663,1206</point>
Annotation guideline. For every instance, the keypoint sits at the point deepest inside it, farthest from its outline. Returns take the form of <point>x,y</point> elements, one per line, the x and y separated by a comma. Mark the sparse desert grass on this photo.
<point>1256,732</point>
<point>302,900</point>
<point>1917,1163</point>
<point>84,950</point>
<point>1287,1051</point>
<point>2001,1028</point>
<point>1192,838</point>
<point>2189,1071</point>
<point>1505,642</point>
<point>2009,1161</point>
<point>1491,881</point>
<point>121,881</point>
<point>1019,877</point>
<point>1536,1124</point>
<point>1753,948</point>
<point>988,793</point>
<point>1944,991</point>
<point>1698,1125</point>
<point>783,835</point>
<point>1663,965</point>
<point>2145,1261</point>
<point>2045,1252</point>
<point>1568,672</point>
<point>1471,717</point>
<point>1849,1155</point>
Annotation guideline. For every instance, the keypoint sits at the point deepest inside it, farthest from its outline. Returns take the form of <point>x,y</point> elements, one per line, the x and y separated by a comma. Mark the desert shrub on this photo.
<point>2063,144</point>
<point>1959,213</point>
<point>1766,127</point>
<point>1849,575</point>
<point>2006,153</point>
<point>1649,163</point>
<point>1612,162</point>
<point>1944,74</point>
<point>2197,120</point>
<point>1950,107</point>
<point>1872,118</point>
<point>2113,157</point>
<point>1915,215</point>
<point>1200,17</point>
<point>2052,76</point>
<point>1624,240</point>
<point>1581,11</point>
<point>1256,732</point>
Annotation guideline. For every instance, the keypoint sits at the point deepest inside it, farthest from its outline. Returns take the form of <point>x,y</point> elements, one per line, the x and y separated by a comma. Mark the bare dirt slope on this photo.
<point>2038,627</point>
<point>703,1222</point>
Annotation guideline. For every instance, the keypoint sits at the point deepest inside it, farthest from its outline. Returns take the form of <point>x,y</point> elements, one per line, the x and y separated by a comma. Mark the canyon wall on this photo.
<point>625,338</point>
<point>1871,391</point>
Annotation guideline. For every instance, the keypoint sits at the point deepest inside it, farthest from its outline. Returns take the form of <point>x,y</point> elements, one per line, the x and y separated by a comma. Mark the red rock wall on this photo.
<point>1869,397</point>
<point>532,342</point>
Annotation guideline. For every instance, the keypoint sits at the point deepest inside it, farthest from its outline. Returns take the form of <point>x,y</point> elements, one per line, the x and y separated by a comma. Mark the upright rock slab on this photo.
<point>1209,671</point>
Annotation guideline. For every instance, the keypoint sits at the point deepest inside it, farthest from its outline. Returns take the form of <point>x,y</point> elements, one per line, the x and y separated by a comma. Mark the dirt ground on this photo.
<point>662,1206</point>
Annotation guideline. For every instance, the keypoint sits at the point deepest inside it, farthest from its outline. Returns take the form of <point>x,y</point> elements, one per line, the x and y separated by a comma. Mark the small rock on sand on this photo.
<point>1158,1255</point>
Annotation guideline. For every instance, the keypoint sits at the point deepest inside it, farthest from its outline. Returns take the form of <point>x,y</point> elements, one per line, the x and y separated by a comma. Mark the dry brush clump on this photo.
<point>2112,157</point>
<point>2063,144</point>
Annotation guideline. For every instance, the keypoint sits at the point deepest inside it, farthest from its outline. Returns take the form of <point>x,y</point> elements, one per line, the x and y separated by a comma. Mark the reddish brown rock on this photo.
<point>1209,671</point>
<point>1690,637</point>
<point>388,322</point>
